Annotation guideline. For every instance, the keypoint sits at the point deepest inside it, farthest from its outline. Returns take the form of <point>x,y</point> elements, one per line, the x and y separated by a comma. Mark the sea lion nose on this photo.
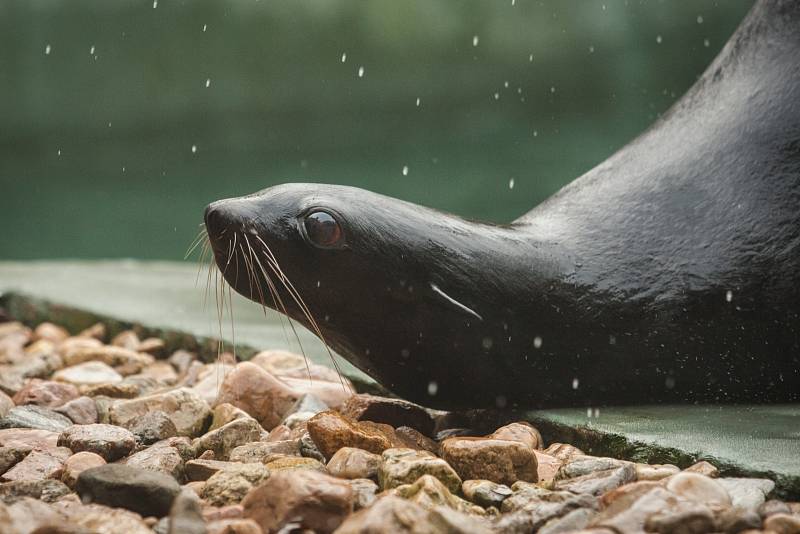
<point>215,216</point>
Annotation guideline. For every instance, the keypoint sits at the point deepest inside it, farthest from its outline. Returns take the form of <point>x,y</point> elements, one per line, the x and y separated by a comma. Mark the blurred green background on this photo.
<point>121,119</point>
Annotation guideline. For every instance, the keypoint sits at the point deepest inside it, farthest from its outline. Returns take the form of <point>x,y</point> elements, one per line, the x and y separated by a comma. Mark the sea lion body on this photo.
<point>668,273</point>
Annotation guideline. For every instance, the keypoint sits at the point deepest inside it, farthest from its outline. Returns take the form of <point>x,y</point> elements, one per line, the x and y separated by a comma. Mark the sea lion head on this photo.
<point>389,285</point>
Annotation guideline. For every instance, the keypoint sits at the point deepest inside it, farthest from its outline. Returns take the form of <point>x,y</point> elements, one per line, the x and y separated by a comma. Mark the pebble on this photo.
<point>262,451</point>
<point>563,451</point>
<point>77,463</point>
<point>575,520</point>
<point>331,431</point>
<point>405,466</point>
<point>599,482</point>
<point>289,463</point>
<point>28,437</point>
<point>188,412</point>
<point>521,431</point>
<point>703,468</point>
<point>38,465</point>
<point>394,412</point>
<point>36,417</point>
<point>118,357</point>
<point>734,520</point>
<point>430,492</point>
<point>485,492</point>
<point>307,498</point>
<point>88,374</point>
<point>139,490</point>
<point>229,436</point>
<point>546,466</point>
<point>747,493</point>
<point>46,489</point>
<point>655,472</point>
<point>51,332</point>
<point>233,526</point>
<point>352,463</point>
<point>5,404</point>
<point>414,439</point>
<point>82,411</point>
<point>231,484</point>
<point>224,413</point>
<point>103,519</point>
<point>161,457</point>
<point>782,524</point>
<point>185,516</point>
<point>45,393</point>
<point>364,492</point>
<point>689,521</point>
<point>501,461</point>
<point>11,455</point>
<point>151,427</point>
<point>772,507</point>
<point>260,394</point>
<point>110,442</point>
<point>28,514</point>
<point>201,470</point>
<point>698,488</point>
<point>288,364</point>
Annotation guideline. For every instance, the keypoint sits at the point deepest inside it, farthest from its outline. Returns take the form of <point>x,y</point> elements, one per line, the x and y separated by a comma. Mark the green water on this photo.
<point>102,102</point>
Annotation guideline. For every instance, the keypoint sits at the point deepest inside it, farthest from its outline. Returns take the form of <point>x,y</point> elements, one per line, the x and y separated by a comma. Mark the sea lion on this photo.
<point>668,273</point>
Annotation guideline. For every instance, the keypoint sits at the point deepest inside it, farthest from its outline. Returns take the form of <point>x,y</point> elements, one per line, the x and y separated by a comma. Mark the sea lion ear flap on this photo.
<point>448,301</point>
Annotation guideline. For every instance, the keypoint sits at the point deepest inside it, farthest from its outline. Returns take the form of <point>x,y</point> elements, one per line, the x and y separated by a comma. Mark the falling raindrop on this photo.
<point>706,43</point>
<point>699,19</point>
<point>91,50</point>
<point>405,170</point>
<point>536,133</point>
<point>475,40</point>
<point>360,72</point>
<point>418,101</point>
<point>658,39</point>
<point>513,2</point>
<point>59,151</point>
<point>505,84</point>
<point>205,27</point>
<point>500,401</point>
<point>208,82</point>
<point>497,96</point>
<point>344,57</point>
<point>552,89</point>
<point>47,50</point>
<point>194,149</point>
<point>575,383</point>
<point>530,58</point>
<point>728,295</point>
<point>487,343</point>
<point>591,49</point>
<point>433,387</point>
<point>511,184</point>
<point>537,342</point>
<point>155,4</point>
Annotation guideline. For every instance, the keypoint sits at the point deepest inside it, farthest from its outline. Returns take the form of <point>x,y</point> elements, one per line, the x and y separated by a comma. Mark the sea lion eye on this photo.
<point>322,229</point>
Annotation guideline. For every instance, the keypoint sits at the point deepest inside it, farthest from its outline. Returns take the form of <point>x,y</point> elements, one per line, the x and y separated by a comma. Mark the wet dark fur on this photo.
<point>623,275</point>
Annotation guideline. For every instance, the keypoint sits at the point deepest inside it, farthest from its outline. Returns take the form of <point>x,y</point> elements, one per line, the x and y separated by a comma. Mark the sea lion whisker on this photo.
<point>196,241</point>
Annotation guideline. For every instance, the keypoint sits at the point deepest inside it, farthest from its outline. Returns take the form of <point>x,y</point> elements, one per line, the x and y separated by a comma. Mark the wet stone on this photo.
<point>405,466</point>
<point>430,492</point>
<point>698,488</point>
<point>599,482</point>
<point>230,485</point>
<point>747,493</point>
<point>152,426</point>
<point>414,439</point>
<point>522,432</point>
<point>394,412</point>
<point>45,393</point>
<point>145,492</point>
<point>349,462</point>
<point>655,472</point>
<point>563,451</point>
<point>197,470</point>
<point>331,431</point>
<point>703,468</point>
<point>82,411</point>
<point>312,500</point>
<point>501,461</point>
<point>364,492</point>
<point>36,417</point>
<point>160,457</point>
<point>485,492</point>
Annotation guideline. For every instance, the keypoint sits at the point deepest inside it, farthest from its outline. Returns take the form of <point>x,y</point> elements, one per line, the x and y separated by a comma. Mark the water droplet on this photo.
<point>497,96</point>
<point>123,169</point>
<point>405,353</point>
<point>344,57</point>
<point>706,43</point>
<point>155,4</point>
<point>658,39</point>
<point>405,170</point>
<point>575,383</point>
<point>537,342</point>
<point>552,89</point>
<point>475,40</point>
<point>205,27</point>
<point>511,184</point>
<point>505,84</point>
<point>699,19</point>
<point>530,58</point>
<point>513,2</point>
<point>588,412</point>
<point>433,387</point>
<point>194,149</point>
<point>208,82</point>
<point>91,50</point>
<point>591,49</point>
<point>728,295</point>
<point>669,383</point>
<point>536,133</point>
<point>596,413</point>
<point>418,101</point>
<point>360,72</point>
<point>47,49</point>
<point>487,343</point>
<point>318,284</point>
<point>59,151</point>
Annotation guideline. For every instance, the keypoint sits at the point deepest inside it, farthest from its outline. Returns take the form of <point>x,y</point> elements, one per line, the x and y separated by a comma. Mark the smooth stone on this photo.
<point>160,457</point>
<point>703,468</point>
<point>139,490</point>
<point>585,465</point>
<point>152,345</point>
<point>51,332</point>
<point>297,419</point>
<point>698,488</point>
<point>655,472</point>
<point>110,355</point>
<point>230,485</point>
<point>772,507</point>
<point>121,390</point>
<point>127,339</point>
<point>310,499</point>
<point>501,461</point>
<point>747,493</point>
<point>30,515</point>
<point>152,426</point>
<point>563,451</point>
<point>82,411</point>
<point>599,482</point>
<point>224,413</point>
<point>88,374</point>
<point>631,514</point>
<point>261,451</point>
<point>364,492</point>
<point>429,492</point>
<point>575,520</point>
<point>331,431</point>
<point>97,331</point>
<point>45,393</point>
<point>36,417</point>
<point>47,490</point>
<point>187,411</point>
<point>520,431</point>
<point>307,403</point>
<point>546,466</point>
<point>96,518</point>
<point>288,364</point>
<point>201,470</point>
<point>782,524</point>
<point>180,360</point>
<point>78,463</point>
<point>228,437</point>
<point>290,463</point>
<point>394,412</point>
<point>735,520</point>
<point>260,394</point>
<point>628,493</point>
<point>185,516</point>
<point>10,456</point>
<point>530,509</point>
<point>689,521</point>
<point>75,343</point>
<point>109,441</point>
<point>352,463</point>
<point>28,437</point>
<point>38,465</point>
<point>205,380</point>
<point>334,393</point>
<point>405,466</point>
<point>485,492</point>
